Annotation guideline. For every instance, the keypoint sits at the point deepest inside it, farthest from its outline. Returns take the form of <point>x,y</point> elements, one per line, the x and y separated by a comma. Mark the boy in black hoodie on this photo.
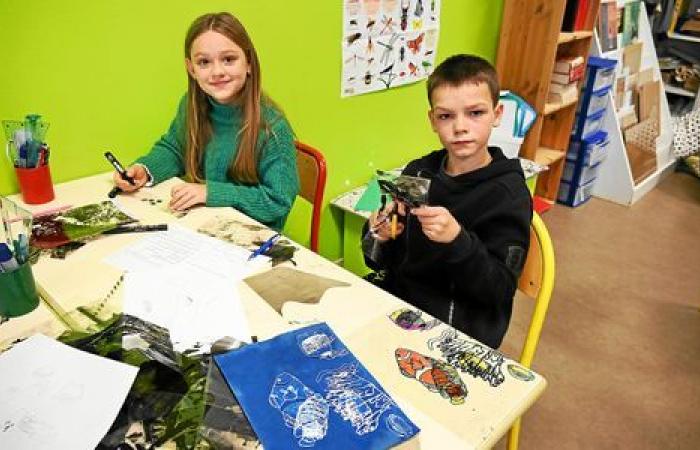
<point>459,257</point>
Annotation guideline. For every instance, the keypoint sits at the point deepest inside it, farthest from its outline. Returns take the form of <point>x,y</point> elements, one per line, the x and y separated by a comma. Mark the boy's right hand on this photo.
<point>380,223</point>
<point>137,172</point>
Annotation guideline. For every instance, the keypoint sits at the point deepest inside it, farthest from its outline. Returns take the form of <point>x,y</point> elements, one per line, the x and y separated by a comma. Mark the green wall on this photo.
<point>108,75</point>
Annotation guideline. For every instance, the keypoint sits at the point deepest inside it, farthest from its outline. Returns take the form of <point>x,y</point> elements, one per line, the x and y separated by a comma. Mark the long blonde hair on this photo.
<point>244,168</point>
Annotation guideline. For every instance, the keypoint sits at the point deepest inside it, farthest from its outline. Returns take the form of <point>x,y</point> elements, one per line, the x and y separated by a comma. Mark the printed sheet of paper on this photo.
<point>182,246</point>
<point>196,306</point>
<point>387,43</point>
<point>55,397</point>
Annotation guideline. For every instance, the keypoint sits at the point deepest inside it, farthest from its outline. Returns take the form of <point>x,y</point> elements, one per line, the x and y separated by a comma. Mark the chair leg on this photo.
<point>513,435</point>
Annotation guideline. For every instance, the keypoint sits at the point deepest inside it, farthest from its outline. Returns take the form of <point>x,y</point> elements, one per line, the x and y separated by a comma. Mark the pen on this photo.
<point>122,173</point>
<point>265,246</point>
<point>137,229</point>
<point>394,223</point>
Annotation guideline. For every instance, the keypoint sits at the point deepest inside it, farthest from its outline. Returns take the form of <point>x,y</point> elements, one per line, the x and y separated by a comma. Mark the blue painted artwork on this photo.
<point>305,389</point>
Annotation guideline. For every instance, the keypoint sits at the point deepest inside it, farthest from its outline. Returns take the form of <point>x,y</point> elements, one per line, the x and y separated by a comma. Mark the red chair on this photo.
<point>311,166</point>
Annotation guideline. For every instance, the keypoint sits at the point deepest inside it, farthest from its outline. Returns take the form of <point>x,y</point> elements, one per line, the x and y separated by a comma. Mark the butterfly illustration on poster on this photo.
<point>387,43</point>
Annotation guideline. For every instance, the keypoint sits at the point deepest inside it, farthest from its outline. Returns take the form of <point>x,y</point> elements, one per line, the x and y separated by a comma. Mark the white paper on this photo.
<point>188,248</point>
<point>197,306</point>
<point>53,396</point>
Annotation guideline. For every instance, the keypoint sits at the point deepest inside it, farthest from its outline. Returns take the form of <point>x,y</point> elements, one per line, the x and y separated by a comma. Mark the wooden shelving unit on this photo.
<point>531,40</point>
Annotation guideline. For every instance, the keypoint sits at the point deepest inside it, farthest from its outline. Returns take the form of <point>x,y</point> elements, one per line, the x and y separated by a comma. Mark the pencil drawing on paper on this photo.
<point>435,375</point>
<point>303,410</point>
<point>470,357</point>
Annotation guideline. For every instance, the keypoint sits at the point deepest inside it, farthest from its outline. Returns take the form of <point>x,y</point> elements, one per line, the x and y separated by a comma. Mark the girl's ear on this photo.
<point>189,66</point>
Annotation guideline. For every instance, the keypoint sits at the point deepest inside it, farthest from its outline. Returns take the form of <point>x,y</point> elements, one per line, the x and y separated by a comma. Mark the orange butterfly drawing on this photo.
<point>414,44</point>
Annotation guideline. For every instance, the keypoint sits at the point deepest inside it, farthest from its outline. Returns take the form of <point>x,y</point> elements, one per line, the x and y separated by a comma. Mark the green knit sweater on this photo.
<point>269,201</point>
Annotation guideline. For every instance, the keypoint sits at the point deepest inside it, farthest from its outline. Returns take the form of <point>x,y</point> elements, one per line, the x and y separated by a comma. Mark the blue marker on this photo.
<point>264,247</point>
<point>7,261</point>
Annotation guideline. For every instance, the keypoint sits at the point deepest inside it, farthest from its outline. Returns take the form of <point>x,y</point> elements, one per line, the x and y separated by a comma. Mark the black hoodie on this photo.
<point>469,282</point>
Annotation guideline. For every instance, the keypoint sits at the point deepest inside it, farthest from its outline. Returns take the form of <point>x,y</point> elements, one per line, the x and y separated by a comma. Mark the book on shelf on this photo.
<point>630,22</point>
<point>572,66</point>
<point>607,25</point>
<point>557,88</point>
<point>581,12</point>
<point>566,95</point>
<point>570,12</point>
<point>565,78</point>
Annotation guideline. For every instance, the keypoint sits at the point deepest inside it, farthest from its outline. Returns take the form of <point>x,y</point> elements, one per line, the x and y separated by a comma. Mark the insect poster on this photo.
<point>387,43</point>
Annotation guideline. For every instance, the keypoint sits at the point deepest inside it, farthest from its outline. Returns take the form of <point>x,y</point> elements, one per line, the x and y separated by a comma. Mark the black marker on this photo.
<point>137,229</point>
<point>120,169</point>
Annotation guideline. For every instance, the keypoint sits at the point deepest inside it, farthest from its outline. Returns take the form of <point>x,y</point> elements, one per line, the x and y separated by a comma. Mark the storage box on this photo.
<point>601,73</point>
<point>573,195</point>
<point>591,150</point>
<point>597,101</point>
<point>587,174</point>
<point>588,126</point>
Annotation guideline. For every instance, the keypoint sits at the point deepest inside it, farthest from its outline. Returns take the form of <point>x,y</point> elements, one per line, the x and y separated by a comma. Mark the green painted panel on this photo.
<point>109,74</point>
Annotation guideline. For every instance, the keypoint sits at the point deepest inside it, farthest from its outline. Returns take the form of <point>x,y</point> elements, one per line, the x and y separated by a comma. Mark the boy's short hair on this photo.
<point>459,69</point>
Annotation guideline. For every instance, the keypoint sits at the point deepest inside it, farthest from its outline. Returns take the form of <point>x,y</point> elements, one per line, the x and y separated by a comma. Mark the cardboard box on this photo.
<point>632,57</point>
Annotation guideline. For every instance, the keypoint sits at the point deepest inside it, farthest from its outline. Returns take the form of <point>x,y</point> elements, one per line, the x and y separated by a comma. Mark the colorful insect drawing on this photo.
<point>303,410</point>
<point>433,374</point>
<point>419,8</point>
<point>409,319</point>
<point>353,37</point>
<point>387,76</point>
<point>320,345</point>
<point>405,4</point>
<point>356,399</point>
<point>388,27</point>
<point>470,357</point>
<point>388,48</point>
<point>414,44</point>
<point>412,69</point>
<point>520,373</point>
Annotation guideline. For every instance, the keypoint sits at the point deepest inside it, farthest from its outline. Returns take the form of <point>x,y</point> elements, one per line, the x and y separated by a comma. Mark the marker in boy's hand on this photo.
<point>381,224</point>
<point>437,223</point>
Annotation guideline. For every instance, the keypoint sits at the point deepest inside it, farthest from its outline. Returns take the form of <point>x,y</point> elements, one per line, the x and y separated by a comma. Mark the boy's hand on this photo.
<point>437,223</point>
<point>380,224</point>
<point>187,195</point>
<point>137,172</point>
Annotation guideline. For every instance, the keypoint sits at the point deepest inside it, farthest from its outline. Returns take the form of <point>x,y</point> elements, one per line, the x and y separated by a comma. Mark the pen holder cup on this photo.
<point>18,294</point>
<point>35,184</point>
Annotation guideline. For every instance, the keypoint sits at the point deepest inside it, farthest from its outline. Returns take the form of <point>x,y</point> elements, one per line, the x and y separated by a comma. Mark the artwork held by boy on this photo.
<point>470,357</point>
<point>435,375</point>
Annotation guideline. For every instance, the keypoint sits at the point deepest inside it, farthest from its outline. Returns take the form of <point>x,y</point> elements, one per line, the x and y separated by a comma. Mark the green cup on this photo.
<point>18,292</point>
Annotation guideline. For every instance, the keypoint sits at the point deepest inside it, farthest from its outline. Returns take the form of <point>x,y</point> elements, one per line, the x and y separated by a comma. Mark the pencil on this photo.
<point>394,220</point>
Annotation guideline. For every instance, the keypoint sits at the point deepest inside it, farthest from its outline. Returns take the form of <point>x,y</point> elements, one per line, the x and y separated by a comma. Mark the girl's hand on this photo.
<point>437,223</point>
<point>137,172</point>
<point>380,223</point>
<point>187,195</point>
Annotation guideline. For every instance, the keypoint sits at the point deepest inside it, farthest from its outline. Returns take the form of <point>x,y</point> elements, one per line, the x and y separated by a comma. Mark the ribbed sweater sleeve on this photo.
<point>166,160</point>
<point>271,199</point>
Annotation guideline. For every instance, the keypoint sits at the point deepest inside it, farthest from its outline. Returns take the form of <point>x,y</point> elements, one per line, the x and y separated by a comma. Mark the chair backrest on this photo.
<point>537,281</point>
<point>311,166</point>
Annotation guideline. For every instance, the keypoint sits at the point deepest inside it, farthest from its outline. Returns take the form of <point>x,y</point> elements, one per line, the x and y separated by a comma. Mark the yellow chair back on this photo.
<point>537,282</point>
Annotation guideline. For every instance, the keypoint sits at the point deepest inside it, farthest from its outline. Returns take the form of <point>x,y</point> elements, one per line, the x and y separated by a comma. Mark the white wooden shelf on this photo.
<point>615,181</point>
